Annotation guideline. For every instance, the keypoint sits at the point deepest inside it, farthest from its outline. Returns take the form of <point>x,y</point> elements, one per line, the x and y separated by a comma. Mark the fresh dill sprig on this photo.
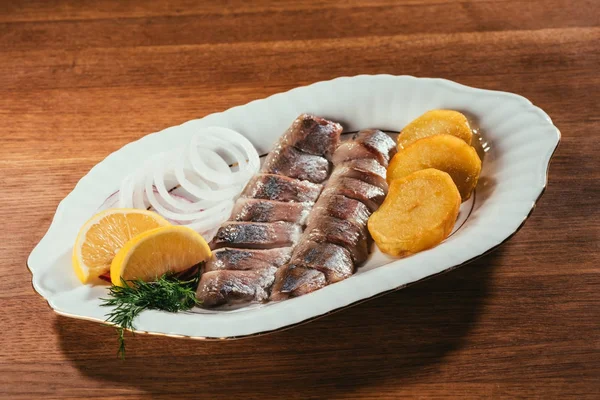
<point>167,293</point>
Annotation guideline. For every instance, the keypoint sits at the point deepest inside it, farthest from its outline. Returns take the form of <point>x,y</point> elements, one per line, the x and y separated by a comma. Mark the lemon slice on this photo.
<point>169,249</point>
<point>103,235</point>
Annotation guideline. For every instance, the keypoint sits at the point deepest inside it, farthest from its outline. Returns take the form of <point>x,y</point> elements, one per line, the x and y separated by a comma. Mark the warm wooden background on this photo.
<point>80,79</point>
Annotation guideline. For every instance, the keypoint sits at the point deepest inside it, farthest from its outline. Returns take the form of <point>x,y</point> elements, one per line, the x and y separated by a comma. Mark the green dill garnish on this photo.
<point>167,293</point>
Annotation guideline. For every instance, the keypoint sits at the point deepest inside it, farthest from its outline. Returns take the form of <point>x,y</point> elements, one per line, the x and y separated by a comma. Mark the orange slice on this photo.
<point>169,249</point>
<point>103,235</point>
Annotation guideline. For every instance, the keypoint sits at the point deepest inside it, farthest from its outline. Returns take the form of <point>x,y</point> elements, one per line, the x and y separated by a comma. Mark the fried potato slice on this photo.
<point>436,122</point>
<point>444,152</point>
<point>417,214</point>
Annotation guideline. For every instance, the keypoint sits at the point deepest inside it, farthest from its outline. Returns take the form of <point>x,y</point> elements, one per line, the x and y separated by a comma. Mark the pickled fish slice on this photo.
<point>370,166</point>
<point>258,210</point>
<point>246,259</point>
<point>293,280</point>
<point>341,207</point>
<point>366,170</point>
<point>289,161</point>
<point>281,188</point>
<point>220,287</point>
<point>332,260</point>
<point>370,143</point>
<point>353,238</point>
<point>370,195</point>
<point>313,135</point>
<point>256,235</point>
<point>378,142</point>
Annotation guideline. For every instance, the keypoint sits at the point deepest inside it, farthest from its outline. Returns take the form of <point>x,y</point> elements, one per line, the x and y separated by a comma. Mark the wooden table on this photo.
<point>80,79</point>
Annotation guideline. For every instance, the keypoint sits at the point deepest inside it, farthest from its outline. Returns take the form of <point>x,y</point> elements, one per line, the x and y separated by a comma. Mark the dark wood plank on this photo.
<point>308,23</point>
<point>56,10</point>
<point>456,56</point>
<point>82,78</point>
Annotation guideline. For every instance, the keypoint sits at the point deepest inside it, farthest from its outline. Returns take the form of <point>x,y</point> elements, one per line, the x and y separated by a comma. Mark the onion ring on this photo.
<point>211,171</point>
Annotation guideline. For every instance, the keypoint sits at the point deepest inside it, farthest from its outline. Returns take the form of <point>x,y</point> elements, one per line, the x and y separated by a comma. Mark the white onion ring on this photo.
<point>126,193</point>
<point>237,139</point>
<point>138,191</point>
<point>203,171</point>
<point>149,190</point>
<point>179,205</point>
<point>202,191</point>
<point>210,174</point>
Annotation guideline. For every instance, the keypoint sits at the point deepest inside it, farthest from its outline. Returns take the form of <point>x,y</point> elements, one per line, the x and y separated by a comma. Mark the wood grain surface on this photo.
<point>80,79</point>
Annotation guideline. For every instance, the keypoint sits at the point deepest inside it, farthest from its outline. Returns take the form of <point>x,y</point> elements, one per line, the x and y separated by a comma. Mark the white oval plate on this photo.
<point>519,140</point>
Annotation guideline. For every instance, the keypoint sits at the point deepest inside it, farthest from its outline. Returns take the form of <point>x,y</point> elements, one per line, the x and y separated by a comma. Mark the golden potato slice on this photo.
<point>436,122</point>
<point>417,214</point>
<point>444,152</point>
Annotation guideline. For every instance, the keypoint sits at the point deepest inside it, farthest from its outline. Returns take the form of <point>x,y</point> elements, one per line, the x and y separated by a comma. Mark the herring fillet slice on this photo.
<point>235,286</point>
<point>353,237</point>
<point>368,143</point>
<point>336,240</point>
<point>282,193</point>
<point>370,195</point>
<point>256,235</point>
<point>313,135</point>
<point>281,188</point>
<point>332,260</point>
<point>366,170</point>
<point>246,259</point>
<point>292,280</point>
<point>259,210</point>
<point>291,162</point>
<point>341,207</point>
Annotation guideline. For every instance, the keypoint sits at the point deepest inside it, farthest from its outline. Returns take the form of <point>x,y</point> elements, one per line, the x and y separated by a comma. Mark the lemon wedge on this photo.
<point>149,255</point>
<point>103,235</point>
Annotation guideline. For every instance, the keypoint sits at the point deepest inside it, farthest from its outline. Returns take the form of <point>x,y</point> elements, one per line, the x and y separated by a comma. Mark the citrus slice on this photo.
<point>168,249</point>
<point>103,235</point>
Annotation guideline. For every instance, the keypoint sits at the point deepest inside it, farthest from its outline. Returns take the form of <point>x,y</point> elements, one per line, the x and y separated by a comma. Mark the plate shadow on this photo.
<point>395,338</point>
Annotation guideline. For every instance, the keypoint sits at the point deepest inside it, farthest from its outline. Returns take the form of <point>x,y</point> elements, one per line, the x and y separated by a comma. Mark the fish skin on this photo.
<point>313,135</point>
<point>294,280</point>
<point>260,210</point>
<point>256,235</point>
<point>370,195</point>
<point>365,169</point>
<point>232,287</point>
<point>355,239</point>
<point>247,259</point>
<point>289,161</point>
<point>332,260</point>
<point>341,207</point>
<point>378,142</point>
<point>368,143</point>
<point>282,188</point>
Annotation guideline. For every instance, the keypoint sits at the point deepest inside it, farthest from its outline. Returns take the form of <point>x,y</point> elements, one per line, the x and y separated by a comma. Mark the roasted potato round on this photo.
<point>436,122</point>
<point>444,152</point>
<point>417,214</point>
